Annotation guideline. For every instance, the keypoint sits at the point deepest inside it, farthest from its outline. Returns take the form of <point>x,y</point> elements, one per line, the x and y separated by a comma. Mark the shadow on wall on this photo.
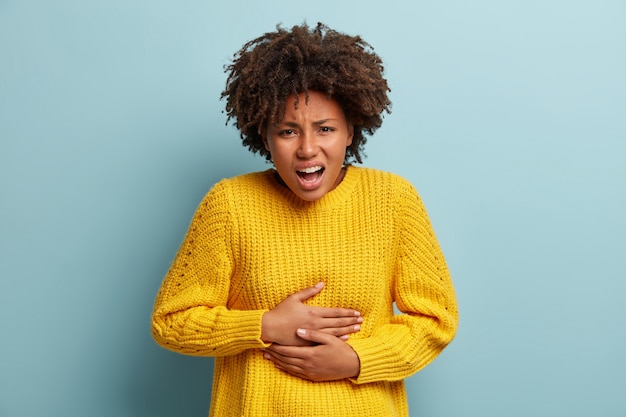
<point>163,383</point>
<point>167,384</point>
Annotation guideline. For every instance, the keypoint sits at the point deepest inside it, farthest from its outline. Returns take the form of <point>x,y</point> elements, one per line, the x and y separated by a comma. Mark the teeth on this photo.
<point>310,170</point>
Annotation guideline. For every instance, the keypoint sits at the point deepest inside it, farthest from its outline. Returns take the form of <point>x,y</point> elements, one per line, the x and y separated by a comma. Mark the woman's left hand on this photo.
<point>329,359</point>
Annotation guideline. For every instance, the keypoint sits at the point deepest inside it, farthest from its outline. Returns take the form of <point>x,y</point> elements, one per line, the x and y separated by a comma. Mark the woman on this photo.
<point>289,276</point>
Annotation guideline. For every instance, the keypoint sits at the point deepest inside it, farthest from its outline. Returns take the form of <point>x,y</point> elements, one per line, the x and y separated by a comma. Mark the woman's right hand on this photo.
<point>279,325</point>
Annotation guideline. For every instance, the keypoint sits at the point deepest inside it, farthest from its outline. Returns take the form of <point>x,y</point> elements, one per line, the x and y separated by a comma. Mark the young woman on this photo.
<point>289,276</point>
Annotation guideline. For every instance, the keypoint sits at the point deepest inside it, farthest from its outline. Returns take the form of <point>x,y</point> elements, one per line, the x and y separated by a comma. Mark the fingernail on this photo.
<point>357,328</point>
<point>266,355</point>
<point>301,331</point>
<point>357,313</point>
<point>344,337</point>
<point>319,285</point>
<point>360,320</point>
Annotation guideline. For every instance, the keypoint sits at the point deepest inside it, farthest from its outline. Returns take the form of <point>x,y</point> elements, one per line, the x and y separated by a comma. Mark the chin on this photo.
<point>311,196</point>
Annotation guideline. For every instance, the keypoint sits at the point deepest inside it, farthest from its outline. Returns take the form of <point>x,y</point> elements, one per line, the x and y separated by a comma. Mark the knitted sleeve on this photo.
<point>423,293</point>
<point>190,314</point>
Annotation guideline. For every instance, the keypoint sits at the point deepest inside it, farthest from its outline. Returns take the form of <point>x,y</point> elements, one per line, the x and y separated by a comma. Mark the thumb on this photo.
<point>307,293</point>
<point>316,336</point>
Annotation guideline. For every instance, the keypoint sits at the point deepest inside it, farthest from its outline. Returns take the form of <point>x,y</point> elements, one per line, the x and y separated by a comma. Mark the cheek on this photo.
<point>279,153</point>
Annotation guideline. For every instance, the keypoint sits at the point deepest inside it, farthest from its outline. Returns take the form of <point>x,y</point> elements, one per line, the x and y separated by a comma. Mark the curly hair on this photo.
<point>268,69</point>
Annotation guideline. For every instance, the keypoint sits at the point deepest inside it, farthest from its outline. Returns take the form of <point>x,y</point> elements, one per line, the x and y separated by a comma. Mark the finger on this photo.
<point>274,356</point>
<point>341,331</point>
<point>307,293</point>
<point>338,312</point>
<point>327,323</point>
<point>316,336</point>
<point>286,358</point>
<point>280,351</point>
<point>285,351</point>
<point>289,368</point>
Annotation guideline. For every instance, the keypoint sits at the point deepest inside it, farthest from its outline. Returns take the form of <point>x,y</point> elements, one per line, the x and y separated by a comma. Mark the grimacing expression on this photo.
<point>308,147</point>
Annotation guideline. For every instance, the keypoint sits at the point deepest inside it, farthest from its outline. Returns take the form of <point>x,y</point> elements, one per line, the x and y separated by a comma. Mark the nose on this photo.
<point>308,146</point>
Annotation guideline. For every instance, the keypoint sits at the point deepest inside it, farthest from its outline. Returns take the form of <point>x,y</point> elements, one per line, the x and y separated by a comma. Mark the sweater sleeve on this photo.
<point>423,293</point>
<point>190,313</point>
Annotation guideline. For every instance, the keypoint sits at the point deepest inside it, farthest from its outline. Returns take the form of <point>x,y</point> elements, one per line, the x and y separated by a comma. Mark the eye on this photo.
<point>327,129</point>
<point>287,133</point>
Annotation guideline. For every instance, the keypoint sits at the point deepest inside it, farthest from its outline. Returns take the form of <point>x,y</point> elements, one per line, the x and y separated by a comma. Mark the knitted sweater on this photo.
<point>252,243</point>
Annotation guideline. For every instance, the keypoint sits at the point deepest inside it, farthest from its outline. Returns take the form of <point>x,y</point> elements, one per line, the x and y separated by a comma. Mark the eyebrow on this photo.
<point>294,124</point>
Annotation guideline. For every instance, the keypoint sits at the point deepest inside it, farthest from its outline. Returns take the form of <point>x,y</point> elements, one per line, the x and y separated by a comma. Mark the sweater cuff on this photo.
<point>383,359</point>
<point>248,330</point>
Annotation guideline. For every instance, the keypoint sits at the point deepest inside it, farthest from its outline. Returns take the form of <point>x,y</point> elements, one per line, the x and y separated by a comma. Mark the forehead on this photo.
<point>317,106</point>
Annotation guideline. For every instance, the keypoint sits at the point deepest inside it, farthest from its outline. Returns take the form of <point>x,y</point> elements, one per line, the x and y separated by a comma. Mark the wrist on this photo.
<point>266,331</point>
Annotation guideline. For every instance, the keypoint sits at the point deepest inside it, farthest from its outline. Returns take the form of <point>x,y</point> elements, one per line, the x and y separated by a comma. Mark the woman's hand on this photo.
<point>329,359</point>
<point>280,324</point>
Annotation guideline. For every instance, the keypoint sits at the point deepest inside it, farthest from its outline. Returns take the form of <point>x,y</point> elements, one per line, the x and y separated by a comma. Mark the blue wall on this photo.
<point>509,116</point>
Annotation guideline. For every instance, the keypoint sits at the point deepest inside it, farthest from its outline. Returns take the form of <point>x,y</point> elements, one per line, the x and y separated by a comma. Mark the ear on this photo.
<point>263,133</point>
<point>350,134</point>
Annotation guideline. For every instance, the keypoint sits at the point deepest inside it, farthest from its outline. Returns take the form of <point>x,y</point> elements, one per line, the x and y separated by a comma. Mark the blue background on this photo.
<point>509,117</point>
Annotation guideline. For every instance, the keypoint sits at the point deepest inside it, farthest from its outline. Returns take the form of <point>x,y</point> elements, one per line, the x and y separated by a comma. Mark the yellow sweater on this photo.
<point>252,243</point>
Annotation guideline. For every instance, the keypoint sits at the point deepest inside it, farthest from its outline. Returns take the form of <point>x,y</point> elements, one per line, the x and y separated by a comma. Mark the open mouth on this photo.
<point>310,174</point>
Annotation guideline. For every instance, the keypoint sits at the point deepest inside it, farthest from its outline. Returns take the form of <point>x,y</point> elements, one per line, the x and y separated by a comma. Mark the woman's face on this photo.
<point>308,146</point>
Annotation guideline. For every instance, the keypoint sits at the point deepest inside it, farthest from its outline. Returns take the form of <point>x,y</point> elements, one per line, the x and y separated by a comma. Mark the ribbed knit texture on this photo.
<point>252,243</point>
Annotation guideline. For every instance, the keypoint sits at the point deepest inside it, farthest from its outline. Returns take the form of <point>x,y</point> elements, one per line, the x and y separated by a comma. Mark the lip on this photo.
<point>310,185</point>
<point>309,165</point>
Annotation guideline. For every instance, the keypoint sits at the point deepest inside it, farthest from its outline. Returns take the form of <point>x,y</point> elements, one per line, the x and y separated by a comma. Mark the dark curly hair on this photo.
<point>268,69</point>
